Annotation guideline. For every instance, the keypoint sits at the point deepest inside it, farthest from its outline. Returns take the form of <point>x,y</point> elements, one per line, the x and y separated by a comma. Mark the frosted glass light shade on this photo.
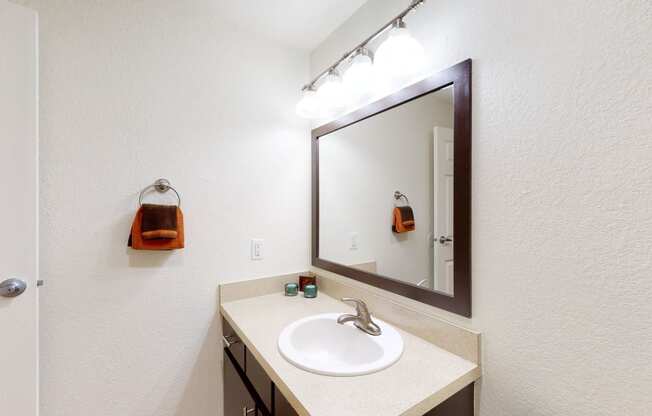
<point>400,55</point>
<point>331,95</point>
<point>308,106</point>
<point>360,78</point>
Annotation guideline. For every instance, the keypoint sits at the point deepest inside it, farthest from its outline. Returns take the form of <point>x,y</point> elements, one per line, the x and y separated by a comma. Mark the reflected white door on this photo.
<point>443,201</point>
<point>18,209</point>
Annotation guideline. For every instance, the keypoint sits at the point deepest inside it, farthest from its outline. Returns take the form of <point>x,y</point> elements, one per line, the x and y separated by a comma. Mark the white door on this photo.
<point>443,200</point>
<point>18,210</point>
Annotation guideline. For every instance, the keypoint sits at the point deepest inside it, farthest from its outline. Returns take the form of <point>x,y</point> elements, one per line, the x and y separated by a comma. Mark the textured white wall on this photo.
<point>132,91</point>
<point>360,168</point>
<point>562,194</point>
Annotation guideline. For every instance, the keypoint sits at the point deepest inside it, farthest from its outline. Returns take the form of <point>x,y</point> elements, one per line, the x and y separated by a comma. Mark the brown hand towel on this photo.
<point>403,220</point>
<point>159,221</point>
<point>157,227</point>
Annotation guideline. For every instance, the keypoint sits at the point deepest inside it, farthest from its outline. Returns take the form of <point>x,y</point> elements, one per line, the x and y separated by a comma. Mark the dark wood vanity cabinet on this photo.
<point>237,400</point>
<point>459,404</point>
<point>248,391</point>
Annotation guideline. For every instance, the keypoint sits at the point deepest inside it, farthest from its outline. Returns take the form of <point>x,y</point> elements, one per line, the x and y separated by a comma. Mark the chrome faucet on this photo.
<point>362,319</point>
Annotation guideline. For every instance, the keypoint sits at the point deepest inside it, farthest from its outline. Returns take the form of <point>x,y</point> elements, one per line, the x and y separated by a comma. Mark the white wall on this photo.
<point>562,190</point>
<point>132,91</point>
<point>360,168</point>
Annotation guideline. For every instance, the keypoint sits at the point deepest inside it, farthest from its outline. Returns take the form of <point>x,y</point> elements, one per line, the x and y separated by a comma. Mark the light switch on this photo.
<point>257,246</point>
<point>354,239</point>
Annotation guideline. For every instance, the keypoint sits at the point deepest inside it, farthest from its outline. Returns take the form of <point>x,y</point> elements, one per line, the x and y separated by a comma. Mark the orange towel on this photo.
<point>403,220</point>
<point>157,239</point>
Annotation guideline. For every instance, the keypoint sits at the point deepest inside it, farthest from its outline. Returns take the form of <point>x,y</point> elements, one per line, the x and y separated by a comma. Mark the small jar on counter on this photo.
<point>306,279</point>
<point>310,291</point>
<point>291,289</point>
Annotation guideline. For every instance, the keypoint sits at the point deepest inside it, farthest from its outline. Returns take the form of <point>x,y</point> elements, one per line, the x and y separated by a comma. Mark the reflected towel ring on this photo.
<point>161,186</point>
<point>398,195</point>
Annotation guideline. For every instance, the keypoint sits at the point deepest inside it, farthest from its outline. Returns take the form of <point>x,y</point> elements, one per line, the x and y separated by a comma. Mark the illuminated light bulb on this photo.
<point>331,94</point>
<point>400,55</point>
<point>360,77</point>
<point>308,106</point>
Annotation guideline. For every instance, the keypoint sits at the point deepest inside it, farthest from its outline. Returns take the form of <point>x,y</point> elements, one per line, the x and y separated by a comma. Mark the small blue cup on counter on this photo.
<point>310,291</point>
<point>291,289</point>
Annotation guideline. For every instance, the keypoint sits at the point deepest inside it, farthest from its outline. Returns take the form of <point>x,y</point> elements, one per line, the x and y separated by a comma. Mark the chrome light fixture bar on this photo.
<point>362,47</point>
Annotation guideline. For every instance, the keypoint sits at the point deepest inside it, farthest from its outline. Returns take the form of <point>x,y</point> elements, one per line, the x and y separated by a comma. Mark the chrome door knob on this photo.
<point>11,288</point>
<point>443,240</point>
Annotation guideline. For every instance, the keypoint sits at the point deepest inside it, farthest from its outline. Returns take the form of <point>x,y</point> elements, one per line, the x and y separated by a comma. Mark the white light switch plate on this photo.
<point>354,241</point>
<point>257,246</point>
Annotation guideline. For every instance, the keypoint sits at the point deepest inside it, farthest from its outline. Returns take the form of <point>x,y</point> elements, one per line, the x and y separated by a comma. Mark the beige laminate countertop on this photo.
<point>425,376</point>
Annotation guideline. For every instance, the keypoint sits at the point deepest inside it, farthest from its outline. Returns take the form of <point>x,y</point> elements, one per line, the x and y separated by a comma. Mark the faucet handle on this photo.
<point>360,307</point>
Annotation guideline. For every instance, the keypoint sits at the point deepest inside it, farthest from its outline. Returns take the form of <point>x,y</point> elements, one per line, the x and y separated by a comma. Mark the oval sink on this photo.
<point>320,345</point>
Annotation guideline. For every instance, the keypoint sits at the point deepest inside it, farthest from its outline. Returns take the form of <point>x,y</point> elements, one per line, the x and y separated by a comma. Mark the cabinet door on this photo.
<point>236,397</point>
<point>258,377</point>
<point>281,406</point>
<point>459,404</point>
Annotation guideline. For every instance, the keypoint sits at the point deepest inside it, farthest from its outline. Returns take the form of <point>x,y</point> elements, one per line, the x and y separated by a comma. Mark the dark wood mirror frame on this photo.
<point>458,75</point>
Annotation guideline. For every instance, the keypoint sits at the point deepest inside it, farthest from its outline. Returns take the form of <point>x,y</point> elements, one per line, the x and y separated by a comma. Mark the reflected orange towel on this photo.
<point>403,220</point>
<point>170,236</point>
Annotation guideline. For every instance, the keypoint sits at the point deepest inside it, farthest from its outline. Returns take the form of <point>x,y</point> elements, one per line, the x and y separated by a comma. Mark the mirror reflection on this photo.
<point>386,193</point>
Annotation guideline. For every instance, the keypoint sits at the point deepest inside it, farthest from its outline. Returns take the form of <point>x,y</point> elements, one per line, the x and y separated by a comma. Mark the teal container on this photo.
<point>310,291</point>
<point>291,289</point>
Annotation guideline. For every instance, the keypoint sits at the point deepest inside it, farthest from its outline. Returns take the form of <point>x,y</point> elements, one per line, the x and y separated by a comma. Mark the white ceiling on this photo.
<point>298,23</point>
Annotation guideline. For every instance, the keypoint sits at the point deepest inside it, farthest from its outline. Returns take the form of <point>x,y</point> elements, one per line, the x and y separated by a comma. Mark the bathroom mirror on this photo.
<point>392,192</point>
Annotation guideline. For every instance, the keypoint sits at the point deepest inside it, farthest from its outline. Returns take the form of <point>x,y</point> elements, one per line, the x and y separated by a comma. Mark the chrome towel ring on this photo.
<point>161,186</point>
<point>398,195</point>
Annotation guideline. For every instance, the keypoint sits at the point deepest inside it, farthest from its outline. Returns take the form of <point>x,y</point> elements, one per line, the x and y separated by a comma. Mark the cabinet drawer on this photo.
<point>237,348</point>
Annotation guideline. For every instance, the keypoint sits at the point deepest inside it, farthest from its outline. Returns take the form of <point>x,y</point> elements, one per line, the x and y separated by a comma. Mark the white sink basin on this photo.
<point>320,345</point>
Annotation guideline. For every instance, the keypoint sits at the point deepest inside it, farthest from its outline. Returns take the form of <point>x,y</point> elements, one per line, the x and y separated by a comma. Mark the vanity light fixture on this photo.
<point>399,56</point>
<point>308,106</point>
<point>360,77</point>
<point>331,94</point>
